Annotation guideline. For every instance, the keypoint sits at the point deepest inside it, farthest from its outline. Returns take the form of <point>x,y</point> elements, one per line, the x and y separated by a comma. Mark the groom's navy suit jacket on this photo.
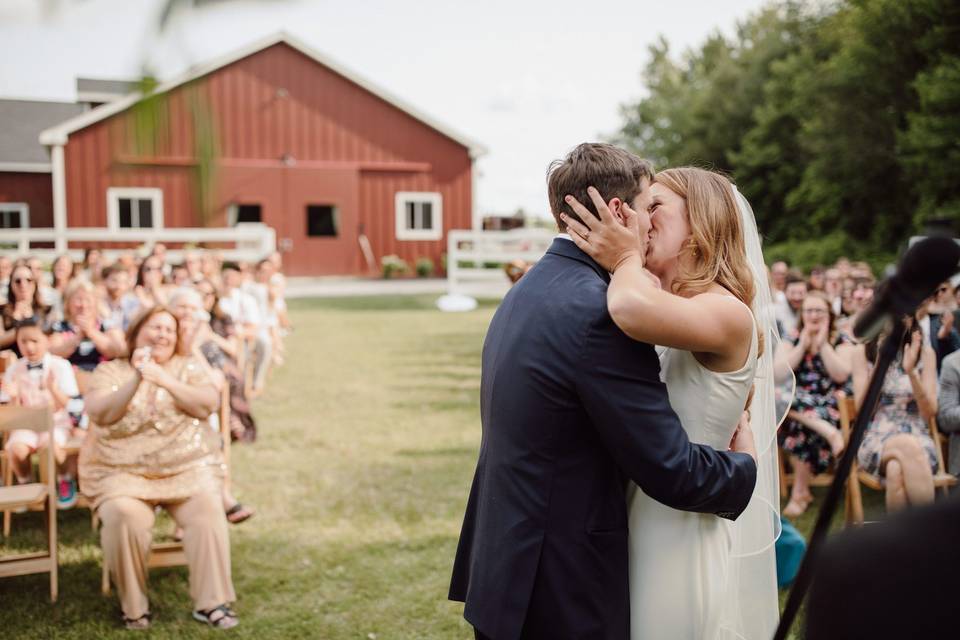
<point>571,409</point>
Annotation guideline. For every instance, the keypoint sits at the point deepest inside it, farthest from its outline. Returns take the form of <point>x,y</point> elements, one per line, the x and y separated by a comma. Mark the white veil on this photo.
<point>752,611</point>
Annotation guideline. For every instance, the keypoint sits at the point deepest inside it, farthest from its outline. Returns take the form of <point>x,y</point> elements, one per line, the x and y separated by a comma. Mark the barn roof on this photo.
<point>23,120</point>
<point>58,134</point>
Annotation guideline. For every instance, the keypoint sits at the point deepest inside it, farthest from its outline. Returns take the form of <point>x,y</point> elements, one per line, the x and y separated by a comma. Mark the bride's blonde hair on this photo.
<point>715,250</point>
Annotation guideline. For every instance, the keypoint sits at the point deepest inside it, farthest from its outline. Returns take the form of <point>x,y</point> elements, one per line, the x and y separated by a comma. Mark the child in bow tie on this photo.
<point>39,379</point>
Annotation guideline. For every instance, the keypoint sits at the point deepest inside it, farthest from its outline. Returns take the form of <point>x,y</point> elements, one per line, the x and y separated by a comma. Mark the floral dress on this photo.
<point>816,395</point>
<point>896,413</point>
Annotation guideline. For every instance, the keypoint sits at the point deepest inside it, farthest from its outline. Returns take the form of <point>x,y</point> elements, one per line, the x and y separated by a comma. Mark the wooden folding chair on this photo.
<point>854,498</point>
<point>37,495</point>
<point>171,554</point>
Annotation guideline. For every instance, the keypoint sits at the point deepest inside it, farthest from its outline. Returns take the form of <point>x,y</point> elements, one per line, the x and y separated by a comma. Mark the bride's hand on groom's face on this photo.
<point>608,240</point>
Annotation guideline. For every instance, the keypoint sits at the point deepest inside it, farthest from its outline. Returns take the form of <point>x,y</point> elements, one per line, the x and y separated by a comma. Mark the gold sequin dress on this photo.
<point>155,452</point>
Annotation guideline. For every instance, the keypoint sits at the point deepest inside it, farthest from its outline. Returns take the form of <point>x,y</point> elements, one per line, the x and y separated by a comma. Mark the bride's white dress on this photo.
<point>680,562</point>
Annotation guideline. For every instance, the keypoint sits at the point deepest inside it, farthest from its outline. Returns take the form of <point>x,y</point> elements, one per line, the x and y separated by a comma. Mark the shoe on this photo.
<point>66,492</point>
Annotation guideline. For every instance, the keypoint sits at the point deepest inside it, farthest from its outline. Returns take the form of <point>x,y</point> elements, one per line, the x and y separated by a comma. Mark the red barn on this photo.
<point>275,134</point>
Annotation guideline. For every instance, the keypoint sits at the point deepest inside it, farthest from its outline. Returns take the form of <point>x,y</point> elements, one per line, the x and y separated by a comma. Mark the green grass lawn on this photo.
<point>368,440</point>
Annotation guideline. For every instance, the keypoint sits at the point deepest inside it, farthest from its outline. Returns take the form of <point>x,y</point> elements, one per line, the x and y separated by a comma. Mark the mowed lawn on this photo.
<point>368,440</point>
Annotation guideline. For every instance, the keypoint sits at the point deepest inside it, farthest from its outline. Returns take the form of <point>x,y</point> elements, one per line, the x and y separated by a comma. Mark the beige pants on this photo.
<point>126,536</point>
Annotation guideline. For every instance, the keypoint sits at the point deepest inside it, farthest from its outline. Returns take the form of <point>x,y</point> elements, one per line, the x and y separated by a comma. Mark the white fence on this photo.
<point>250,241</point>
<point>475,259</point>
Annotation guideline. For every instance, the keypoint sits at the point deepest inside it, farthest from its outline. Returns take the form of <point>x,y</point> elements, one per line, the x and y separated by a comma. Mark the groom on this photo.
<point>571,410</point>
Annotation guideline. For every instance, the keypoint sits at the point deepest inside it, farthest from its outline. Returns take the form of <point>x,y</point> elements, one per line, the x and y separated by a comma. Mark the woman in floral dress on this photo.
<point>810,435</point>
<point>897,448</point>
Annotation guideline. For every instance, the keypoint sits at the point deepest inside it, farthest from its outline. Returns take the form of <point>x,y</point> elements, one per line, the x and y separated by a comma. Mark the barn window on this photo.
<point>134,208</point>
<point>239,213</point>
<point>14,215</point>
<point>419,215</point>
<point>321,220</point>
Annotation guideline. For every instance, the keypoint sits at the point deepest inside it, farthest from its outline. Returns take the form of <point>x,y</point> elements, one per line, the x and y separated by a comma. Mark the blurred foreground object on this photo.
<point>896,579</point>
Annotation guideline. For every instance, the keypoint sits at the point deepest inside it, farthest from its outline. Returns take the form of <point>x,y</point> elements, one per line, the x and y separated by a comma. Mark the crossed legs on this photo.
<point>907,470</point>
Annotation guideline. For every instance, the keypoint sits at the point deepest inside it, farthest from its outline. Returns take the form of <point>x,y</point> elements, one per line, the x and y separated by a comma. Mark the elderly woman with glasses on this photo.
<point>23,301</point>
<point>152,446</point>
<point>820,359</point>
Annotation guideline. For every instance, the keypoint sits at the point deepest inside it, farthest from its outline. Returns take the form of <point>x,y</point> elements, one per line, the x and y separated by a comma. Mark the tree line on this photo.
<point>839,121</point>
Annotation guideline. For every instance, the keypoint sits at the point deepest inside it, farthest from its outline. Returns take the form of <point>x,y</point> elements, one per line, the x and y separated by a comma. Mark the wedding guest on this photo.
<point>194,265</point>
<point>62,270</point>
<point>278,283</point>
<point>811,433</point>
<point>179,276</point>
<point>121,304</point>
<point>778,274</point>
<point>948,409</point>
<point>243,310</point>
<point>264,291</point>
<point>817,279</point>
<point>23,301</point>
<point>897,446</point>
<point>93,264</point>
<point>6,268</point>
<point>942,332</point>
<point>198,340</point>
<point>129,262</point>
<point>127,470</point>
<point>788,311</point>
<point>833,287</point>
<point>159,251</point>
<point>150,288</point>
<point>221,349</point>
<point>81,337</point>
<point>40,277</point>
<point>211,265</point>
<point>41,379</point>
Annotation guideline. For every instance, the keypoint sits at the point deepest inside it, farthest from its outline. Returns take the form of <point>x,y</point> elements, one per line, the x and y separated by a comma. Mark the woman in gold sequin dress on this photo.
<point>152,446</point>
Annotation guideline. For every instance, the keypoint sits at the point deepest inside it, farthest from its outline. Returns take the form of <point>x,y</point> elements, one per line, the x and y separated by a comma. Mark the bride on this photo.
<point>688,275</point>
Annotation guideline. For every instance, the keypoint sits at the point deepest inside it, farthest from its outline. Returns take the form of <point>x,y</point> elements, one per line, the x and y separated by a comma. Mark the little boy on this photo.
<point>37,379</point>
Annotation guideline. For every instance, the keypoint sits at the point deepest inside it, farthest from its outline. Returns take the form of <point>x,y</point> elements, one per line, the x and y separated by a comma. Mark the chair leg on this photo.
<point>52,540</point>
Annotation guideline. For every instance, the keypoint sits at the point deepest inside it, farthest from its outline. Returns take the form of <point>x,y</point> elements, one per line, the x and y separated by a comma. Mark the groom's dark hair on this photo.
<point>614,172</point>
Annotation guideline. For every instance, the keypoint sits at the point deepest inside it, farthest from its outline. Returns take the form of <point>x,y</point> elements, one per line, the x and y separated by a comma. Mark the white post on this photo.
<point>476,217</point>
<point>59,199</point>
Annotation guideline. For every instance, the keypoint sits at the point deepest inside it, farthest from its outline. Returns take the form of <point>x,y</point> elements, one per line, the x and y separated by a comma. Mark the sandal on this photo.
<point>137,624</point>
<point>239,513</point>
<point>221,617</point>
<point>797,506</point>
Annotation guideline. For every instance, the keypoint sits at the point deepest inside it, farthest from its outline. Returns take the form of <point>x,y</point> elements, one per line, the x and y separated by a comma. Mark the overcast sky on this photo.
<point>529,79</point>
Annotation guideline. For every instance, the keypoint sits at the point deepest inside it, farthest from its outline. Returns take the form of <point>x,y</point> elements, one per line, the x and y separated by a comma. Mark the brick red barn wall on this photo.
<point>275,103</point>
<point>36,189</point>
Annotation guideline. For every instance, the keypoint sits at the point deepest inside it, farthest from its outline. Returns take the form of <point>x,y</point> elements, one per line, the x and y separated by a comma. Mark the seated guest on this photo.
<point>265,291</point>
<point>220,347</point>
<point>6,268</point>
<point>788,310</point>
<point>938,312</point>
<point>948,410</point>
<point>243,310</point>
<point>810,434</point>
<point>150,288</point>
<point>278,285</point>
<point>151,445</point>
<point>121,305</point>
<point>40,379</point>
<point>23,301</point>
<point>897,447</point>
<point>198,339</point>
<point>62,270</point>
<point>179,276</point>
<point>194,265</point>
<point>81,337</point>
<point>817,280</point>
<point>833,287</point>
<point>93,263</point>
